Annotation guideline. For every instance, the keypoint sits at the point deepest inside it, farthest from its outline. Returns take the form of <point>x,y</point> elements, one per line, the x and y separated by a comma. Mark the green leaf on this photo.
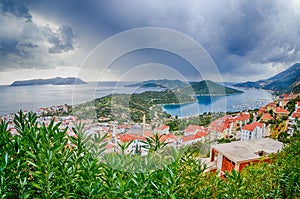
<point>37,186</point>
<point>31,154</point>
<point>33,164</point>
<point>6,158</point>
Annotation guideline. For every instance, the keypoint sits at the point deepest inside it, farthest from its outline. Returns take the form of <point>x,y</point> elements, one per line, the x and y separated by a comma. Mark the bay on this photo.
<point>249,100</point>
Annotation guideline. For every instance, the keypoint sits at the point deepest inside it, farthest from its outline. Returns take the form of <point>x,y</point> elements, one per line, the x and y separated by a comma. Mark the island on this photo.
<point>51,81</point>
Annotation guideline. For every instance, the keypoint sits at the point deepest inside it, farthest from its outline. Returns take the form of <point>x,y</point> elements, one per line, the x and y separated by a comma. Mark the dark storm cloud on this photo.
<point>243,37</point>
<point>15,8</point>
<point>62,41</point>
<point>26,44</point>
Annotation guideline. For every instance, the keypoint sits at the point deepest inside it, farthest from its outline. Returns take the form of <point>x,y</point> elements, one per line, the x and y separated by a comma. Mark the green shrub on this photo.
<point>37,163</point>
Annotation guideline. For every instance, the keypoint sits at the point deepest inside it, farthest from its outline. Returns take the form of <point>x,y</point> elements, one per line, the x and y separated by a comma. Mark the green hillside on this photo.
<point>136,105</point>
<point>207,87</point>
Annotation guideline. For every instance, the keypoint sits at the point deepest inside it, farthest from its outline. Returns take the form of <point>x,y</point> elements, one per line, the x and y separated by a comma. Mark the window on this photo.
<point>261,153</point>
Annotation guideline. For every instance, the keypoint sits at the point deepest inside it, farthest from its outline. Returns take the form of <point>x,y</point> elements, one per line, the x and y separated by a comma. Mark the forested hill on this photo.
<point>208,87</point>
<point>51,81</point>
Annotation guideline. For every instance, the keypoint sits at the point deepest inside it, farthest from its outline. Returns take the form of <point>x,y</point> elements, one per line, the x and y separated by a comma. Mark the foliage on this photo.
<point>290,106</point>
<point>179,124</point>
<point>223,140</point>
<point>42,162</point>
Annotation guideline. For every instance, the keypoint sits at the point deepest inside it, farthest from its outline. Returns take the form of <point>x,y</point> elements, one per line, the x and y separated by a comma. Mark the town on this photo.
<point>270,121</point>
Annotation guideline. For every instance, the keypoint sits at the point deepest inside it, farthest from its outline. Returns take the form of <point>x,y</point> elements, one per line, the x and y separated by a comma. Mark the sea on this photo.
<point>249,100</point>
<point>31,98</point>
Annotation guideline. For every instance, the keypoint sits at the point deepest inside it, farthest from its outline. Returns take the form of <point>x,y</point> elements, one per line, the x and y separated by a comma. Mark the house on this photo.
<point>193,130</point>
<point>168,138</point>
<point>191,139</point>
<point>262,110</point>
<point>253,131</point>
<point>129,137</point>
<point>221,127</point>
<point>236,155</point>
<point>266,117</point>
<point>164,129</point>
<point>137,143</point>
<point>241,119</point>
<point>271,106</point>
<point>281,112</point>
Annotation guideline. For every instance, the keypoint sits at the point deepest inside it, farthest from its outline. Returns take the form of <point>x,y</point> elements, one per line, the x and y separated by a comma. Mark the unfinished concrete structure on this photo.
<point>236,155</point>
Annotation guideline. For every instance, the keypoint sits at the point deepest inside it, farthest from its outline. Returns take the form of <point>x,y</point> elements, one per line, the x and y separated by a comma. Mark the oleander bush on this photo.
<point>42,162</point>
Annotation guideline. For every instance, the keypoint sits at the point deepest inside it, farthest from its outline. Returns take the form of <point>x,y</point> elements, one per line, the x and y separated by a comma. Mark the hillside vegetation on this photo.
<point>135,105</point>
<point>38,163</point>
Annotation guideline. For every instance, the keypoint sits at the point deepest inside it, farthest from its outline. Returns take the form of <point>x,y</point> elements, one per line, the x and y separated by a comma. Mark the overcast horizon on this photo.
<point>240,40</point>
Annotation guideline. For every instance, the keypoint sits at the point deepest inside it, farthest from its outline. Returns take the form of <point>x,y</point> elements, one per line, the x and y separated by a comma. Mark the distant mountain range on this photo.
<point>51,81</point>
<point>285,81</point>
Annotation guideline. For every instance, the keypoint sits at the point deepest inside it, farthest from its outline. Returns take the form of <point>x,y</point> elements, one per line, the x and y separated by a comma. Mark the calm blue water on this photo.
<point>34,97</point>
<point>250,99</point>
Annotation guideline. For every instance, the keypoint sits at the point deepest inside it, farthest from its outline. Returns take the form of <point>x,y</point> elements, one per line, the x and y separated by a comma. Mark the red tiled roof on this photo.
<point>262,109</point>
<point>281,110</point>
<point>266,116</point>
<point>272,104</point>
<point>249,127</point>
<point>298,103</point>
<point>194,128</point>
<point>168,136</point>
<point>204,133</point>
<point>258,124</point>
<point>130,137</point>
<point>242,117</point>
<point>296,115</point>
<point>190,137</point>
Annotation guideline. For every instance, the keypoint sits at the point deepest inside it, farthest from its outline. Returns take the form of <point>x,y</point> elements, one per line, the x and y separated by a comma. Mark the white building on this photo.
<point>253,131</point>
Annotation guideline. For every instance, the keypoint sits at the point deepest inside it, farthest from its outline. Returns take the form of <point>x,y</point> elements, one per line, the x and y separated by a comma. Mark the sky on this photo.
<point>237,40</point>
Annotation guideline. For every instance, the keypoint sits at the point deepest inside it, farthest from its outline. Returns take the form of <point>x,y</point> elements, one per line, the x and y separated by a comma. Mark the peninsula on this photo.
<point>135,105</point>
